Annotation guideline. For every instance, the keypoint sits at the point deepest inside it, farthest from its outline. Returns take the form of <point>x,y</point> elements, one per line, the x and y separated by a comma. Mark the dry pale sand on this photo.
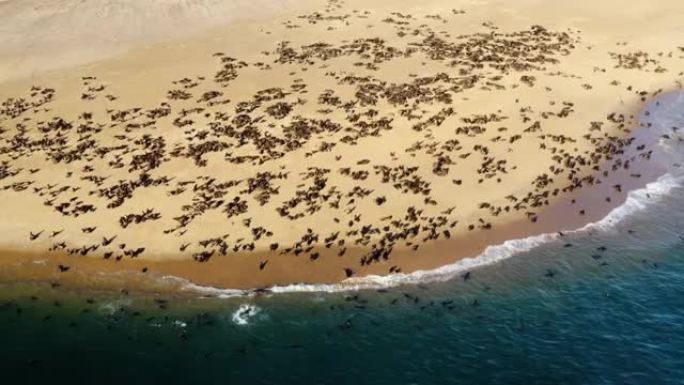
<point>263,144</point>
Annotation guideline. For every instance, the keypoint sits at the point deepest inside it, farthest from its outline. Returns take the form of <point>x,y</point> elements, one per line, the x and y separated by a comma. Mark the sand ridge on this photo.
<point>338,142</point>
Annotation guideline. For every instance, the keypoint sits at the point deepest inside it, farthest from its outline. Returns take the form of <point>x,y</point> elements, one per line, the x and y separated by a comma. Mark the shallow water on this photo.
<point>604,305</point>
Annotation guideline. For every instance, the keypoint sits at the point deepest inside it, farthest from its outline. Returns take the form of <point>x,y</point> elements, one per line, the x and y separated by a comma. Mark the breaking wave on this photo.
<point>244,313</point>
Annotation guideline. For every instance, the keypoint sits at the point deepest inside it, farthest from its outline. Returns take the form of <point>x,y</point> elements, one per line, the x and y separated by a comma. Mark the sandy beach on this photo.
<point>273,143</point>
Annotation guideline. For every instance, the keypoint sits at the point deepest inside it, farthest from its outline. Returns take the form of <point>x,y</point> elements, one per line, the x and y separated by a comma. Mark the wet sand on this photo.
<point>585,88</point>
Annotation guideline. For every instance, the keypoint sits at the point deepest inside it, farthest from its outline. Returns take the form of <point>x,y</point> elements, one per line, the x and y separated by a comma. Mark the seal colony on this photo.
<point>341,141</point>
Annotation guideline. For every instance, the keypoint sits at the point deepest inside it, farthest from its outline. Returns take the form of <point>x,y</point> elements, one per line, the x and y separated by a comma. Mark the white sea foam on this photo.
<point>208,290</point>
<point>637,201</point>
<point>112,307</point>
<point>244,313</point>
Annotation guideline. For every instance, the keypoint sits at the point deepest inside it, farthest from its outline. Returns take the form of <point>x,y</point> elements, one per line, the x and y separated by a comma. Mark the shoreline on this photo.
<point>178,276</point>
<point>132,281</point>
<point>240,270</point>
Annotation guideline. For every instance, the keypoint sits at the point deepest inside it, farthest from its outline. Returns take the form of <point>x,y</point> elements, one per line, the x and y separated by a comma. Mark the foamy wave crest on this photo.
<point>112,307</point>
<point>491,255</point>
<point>637,201</point>
<point>221,293</point>
<point>242,315</point>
